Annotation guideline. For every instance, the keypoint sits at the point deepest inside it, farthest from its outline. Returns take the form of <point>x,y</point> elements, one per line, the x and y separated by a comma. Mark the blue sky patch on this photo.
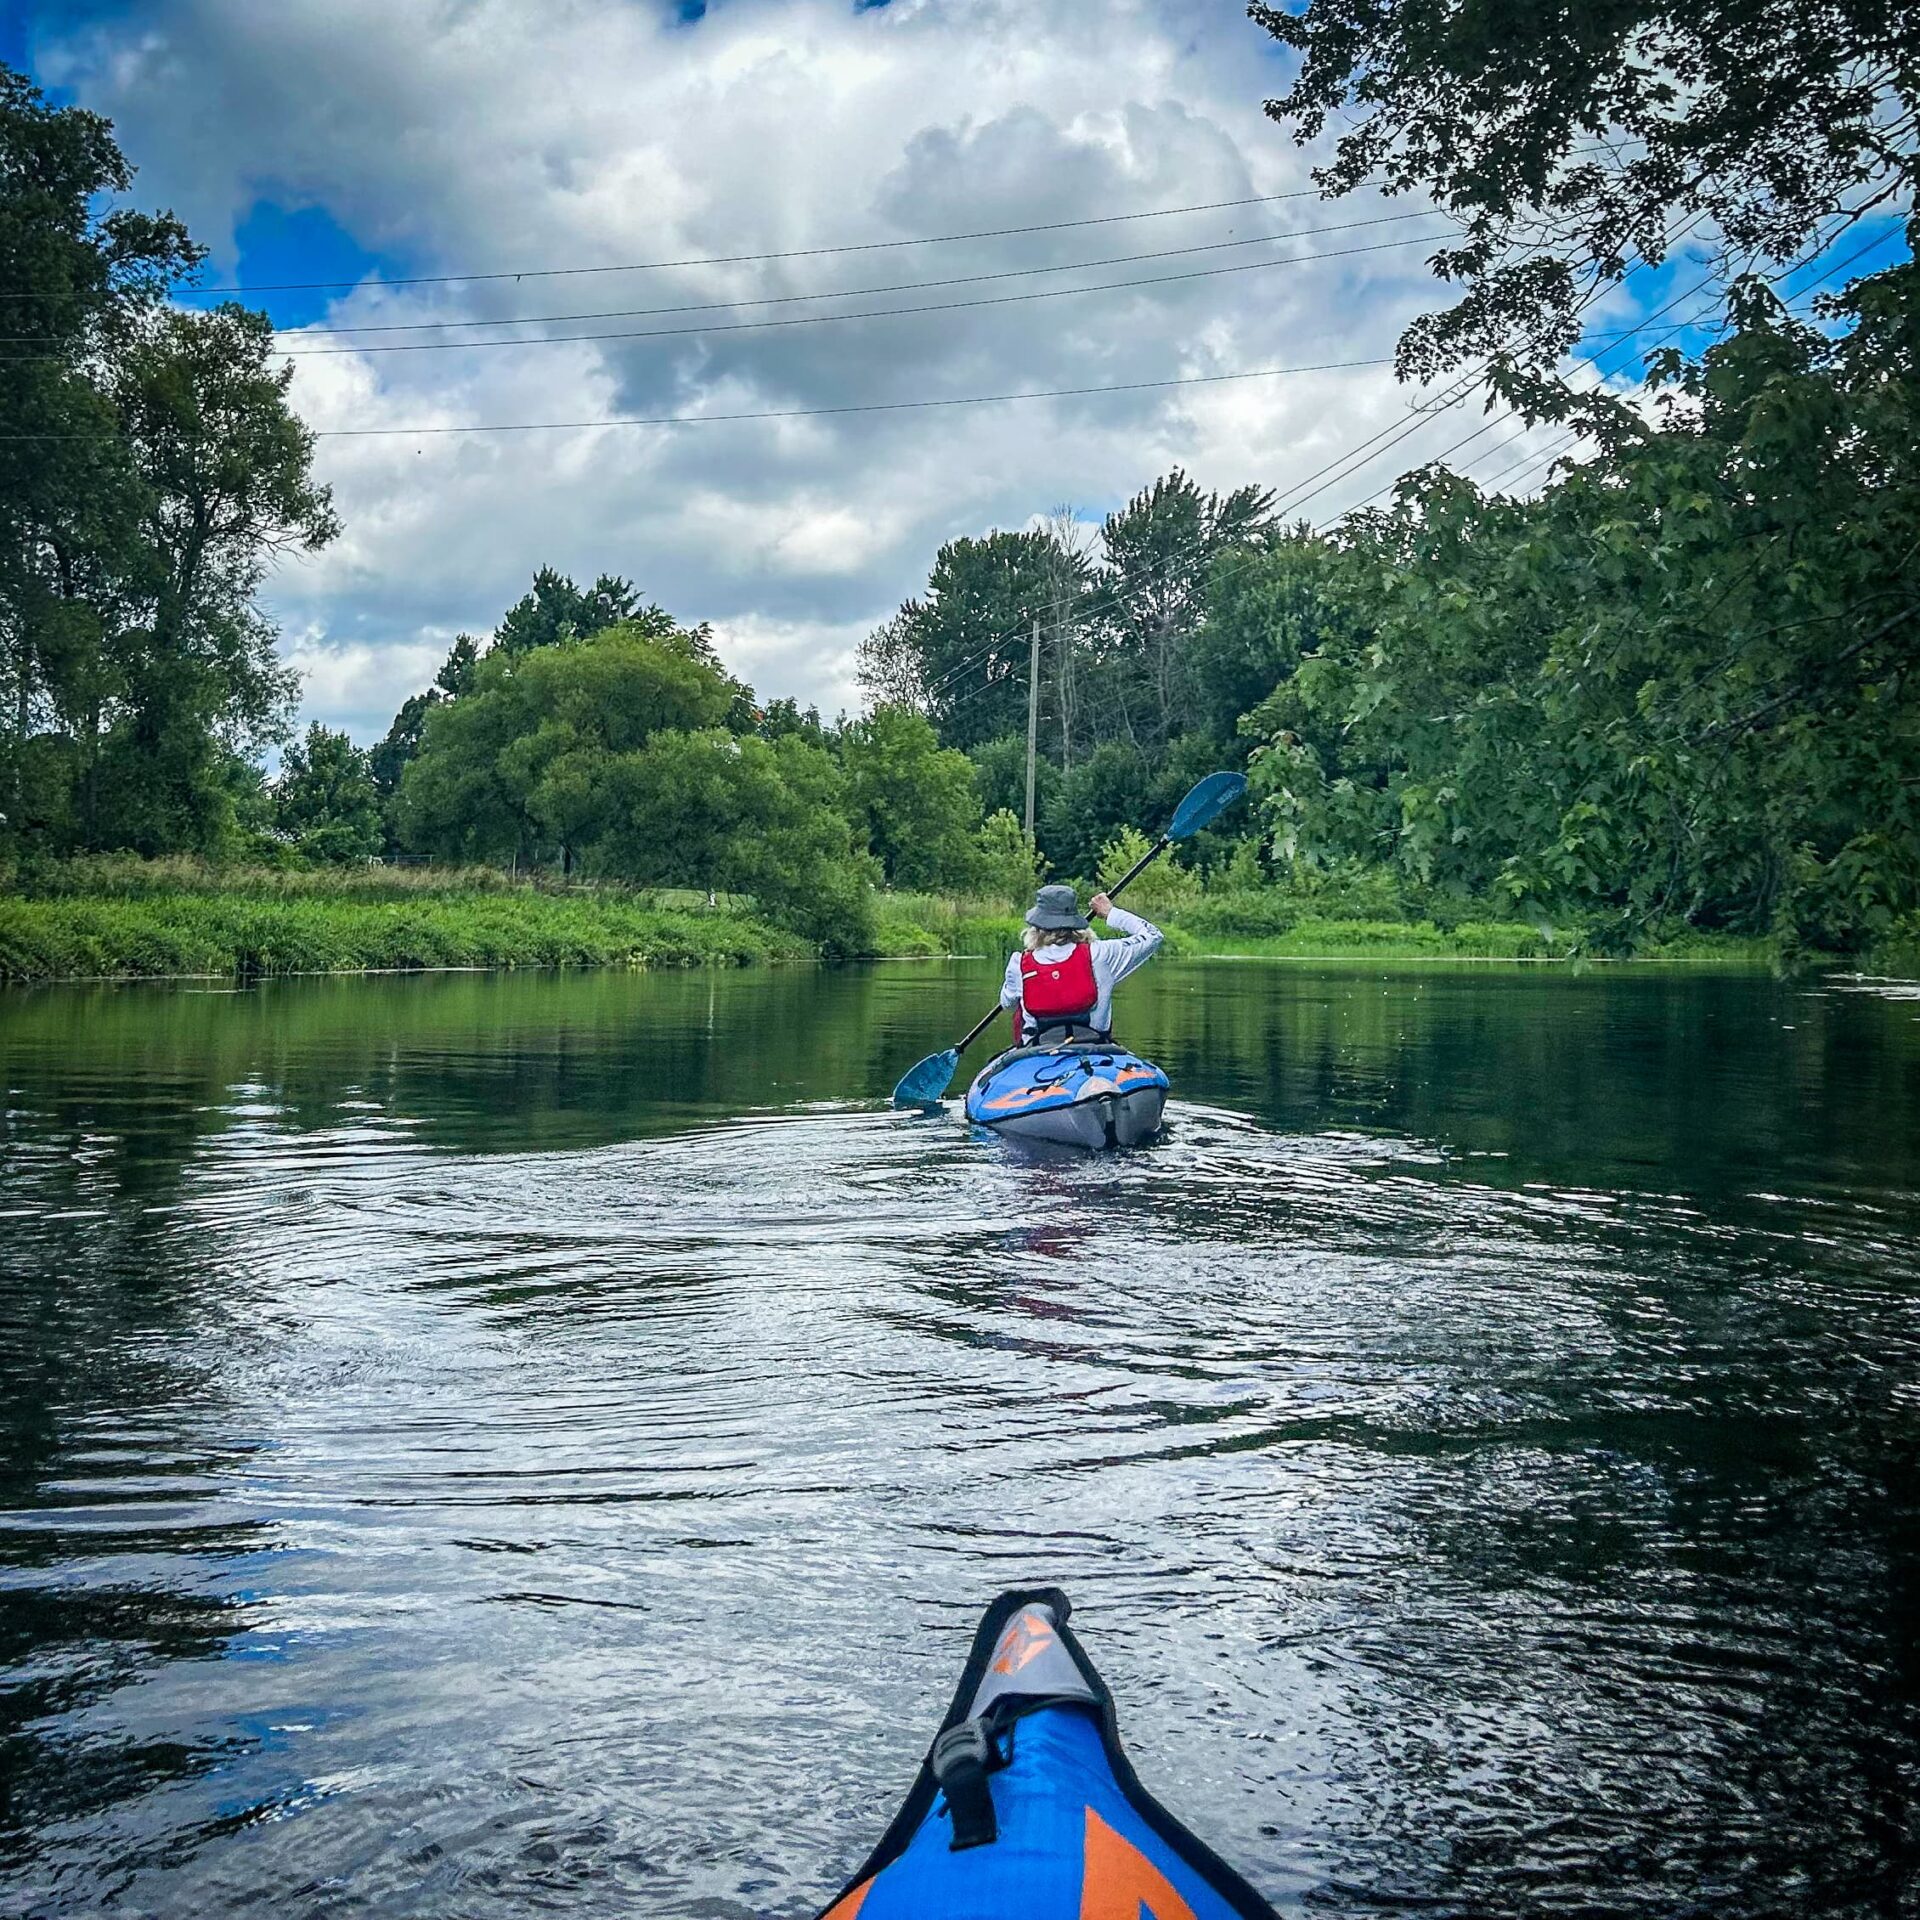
<point>277,244</point>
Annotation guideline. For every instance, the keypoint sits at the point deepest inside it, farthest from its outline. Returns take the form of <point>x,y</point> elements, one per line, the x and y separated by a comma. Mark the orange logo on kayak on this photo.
<point>1119,1882</point>
<point>1026,1639</point>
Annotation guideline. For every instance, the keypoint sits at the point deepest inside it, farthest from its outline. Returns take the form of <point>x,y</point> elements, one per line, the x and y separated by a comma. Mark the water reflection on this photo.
<point>473,1443</point>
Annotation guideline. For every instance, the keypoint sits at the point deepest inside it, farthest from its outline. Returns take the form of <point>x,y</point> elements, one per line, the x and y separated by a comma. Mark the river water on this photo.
<point>485,1445</point>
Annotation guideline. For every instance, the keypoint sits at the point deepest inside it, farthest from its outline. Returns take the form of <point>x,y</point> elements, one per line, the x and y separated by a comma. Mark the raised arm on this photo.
<point>1139,941</point>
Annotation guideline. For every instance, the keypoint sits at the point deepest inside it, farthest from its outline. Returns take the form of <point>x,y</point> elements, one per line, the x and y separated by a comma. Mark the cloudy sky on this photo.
<point>377,145</point>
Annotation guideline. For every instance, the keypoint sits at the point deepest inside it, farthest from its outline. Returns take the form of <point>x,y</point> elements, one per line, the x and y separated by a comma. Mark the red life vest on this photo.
<point>1058,992</point>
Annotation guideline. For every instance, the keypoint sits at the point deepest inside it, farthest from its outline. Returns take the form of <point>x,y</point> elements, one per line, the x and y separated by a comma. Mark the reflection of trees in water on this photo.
<point>1632,1077</point>
<point>113,1379</point>
<point>85,1644</point>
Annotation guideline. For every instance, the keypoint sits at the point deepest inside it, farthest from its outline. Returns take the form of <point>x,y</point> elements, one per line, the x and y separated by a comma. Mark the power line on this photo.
<point>1497,419</point>
<point>1562,442</point>
<point>790,253</point>
<point>1401,432</point>
<point>751,259</point>
<point>996,642</point>
<point>782,413</point>
<point>1413,419</point>
<point>842,293</point>
<point>875,313</point>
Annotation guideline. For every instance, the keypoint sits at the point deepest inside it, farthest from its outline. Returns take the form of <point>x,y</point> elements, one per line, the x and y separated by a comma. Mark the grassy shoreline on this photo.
<point>129,920</point>
<point>250,936</point>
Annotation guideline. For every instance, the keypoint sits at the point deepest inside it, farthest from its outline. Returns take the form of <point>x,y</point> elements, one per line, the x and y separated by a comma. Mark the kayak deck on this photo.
<point>1026,1807</point>
<point>1081,1095</point>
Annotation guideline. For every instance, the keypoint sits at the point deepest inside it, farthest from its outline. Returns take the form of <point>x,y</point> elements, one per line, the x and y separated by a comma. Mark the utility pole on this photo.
<point>1033,715</point>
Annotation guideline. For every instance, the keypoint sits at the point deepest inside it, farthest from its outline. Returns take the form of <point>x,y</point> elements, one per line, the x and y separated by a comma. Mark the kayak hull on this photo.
<point>1027,1808</point>
<point>1073,1096</point>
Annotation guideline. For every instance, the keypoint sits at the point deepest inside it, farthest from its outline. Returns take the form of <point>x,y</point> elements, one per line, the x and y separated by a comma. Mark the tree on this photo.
<point>227,469</point>
<point>325,800</point>
<point>1264,614</point>
<point>716,809</point>
<point>1569,140</point>
<point>1110,789</point>
<point>1008,862</point>
<point>959,655</point>
<point>80,275</point>
<point>1000,777</point>
<point>518,766</point>
<point>1681,683</point>
<point>781,717</point>
<point>1148,597</point>
<point>555,610</point>
<point>457,675</point>
<point>1164,884</point>
<point>914,799</point>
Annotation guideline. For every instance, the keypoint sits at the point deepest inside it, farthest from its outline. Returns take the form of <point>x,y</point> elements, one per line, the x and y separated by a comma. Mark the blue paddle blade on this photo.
<point>926,1084</point>
<point>1210,798</point>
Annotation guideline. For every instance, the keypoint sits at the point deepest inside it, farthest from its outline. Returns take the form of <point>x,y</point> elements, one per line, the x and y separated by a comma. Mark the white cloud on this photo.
<point>509,133</point>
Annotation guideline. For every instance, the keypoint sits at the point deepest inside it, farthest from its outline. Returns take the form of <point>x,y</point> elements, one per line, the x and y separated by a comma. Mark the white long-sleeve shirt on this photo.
<point>1113,960</point>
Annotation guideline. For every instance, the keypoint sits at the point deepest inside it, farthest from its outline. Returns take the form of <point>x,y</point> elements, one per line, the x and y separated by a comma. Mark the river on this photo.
<point>482,1445</point>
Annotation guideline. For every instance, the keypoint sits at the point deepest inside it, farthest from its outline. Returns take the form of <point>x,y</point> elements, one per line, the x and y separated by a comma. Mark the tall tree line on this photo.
<point>150,469</point>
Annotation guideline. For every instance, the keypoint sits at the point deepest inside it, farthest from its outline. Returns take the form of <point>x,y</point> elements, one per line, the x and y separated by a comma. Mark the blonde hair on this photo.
<point>1034,938</point>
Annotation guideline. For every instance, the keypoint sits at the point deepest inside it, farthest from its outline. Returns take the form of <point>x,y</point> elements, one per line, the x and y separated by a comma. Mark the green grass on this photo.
<point>122,918</point>
<point>249,934</point>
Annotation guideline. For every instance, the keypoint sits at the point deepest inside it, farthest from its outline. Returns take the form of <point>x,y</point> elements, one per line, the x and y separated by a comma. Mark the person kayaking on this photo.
<point>1059,985</point>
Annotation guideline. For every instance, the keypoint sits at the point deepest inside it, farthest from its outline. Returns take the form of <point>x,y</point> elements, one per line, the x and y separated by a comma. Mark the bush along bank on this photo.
<point>245,936</point>
<point>1269,923</point>
<point>130,919</point>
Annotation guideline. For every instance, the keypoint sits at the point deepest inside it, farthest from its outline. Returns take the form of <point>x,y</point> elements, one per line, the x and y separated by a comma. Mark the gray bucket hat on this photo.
<point>1056,910</point>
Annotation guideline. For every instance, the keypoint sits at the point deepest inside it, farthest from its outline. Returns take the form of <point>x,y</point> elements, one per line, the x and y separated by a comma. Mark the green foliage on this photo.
<point>458,674</point>
<point>1264,615</point>
<point>1679,684</point>
<point>1007,863</point>
<point>1897,950</point>
<point>1148,599</point>
<point>746,815</point>
<point>1112,788</point>
<point>1165,884</point>
<point>1130,686</point>
<point>1765,115</point>
<point>325,801</point>
<point>150,466</point>
<point>247,933</point>
<point>781,717</point>
<point>526,764</point>
<point>1000,777</point>
<point>912,798</point>
<point>554,610</point>
<point>946,654</point>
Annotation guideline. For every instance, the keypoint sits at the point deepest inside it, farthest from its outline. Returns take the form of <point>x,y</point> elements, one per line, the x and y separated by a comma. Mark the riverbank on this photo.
<point>1274,926</point>
<point>125,919</point>
<point>254,931</point>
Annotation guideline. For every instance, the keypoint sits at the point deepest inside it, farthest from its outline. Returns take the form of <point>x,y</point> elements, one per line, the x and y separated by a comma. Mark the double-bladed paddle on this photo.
<point>927,1083</point>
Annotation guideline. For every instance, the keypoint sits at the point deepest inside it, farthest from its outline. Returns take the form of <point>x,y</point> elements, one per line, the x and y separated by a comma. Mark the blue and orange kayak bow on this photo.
<point>1026,1808</point>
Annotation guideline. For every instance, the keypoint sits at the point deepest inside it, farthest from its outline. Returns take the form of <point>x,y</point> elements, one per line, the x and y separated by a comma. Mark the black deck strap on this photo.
<point>961,1759</point>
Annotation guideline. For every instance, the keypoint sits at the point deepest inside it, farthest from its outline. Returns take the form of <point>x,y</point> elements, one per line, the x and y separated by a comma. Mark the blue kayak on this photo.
<point>1027,1809</point>
<point>1082,1095</point>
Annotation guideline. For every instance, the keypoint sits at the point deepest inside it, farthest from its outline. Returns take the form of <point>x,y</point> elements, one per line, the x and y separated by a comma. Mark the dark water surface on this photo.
<point>484,1446</point>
